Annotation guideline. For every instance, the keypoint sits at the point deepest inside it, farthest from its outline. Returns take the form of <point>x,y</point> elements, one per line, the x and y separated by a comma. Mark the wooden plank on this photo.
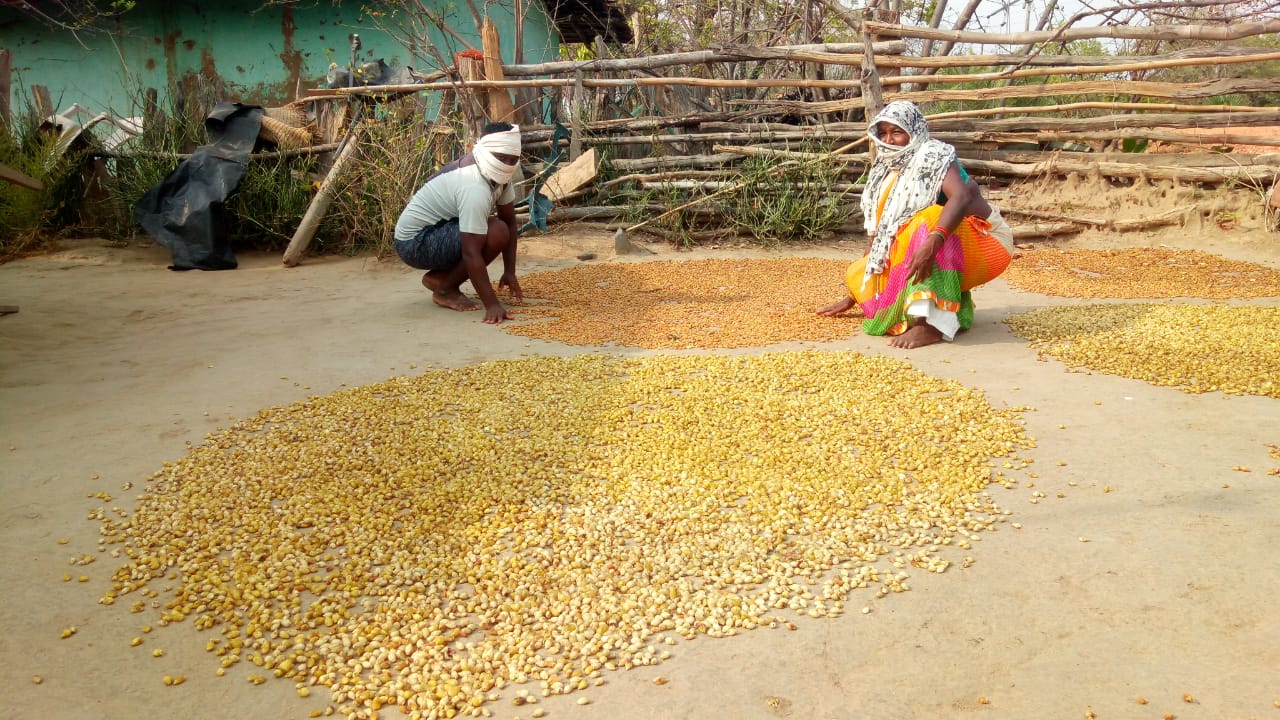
<point>501,109</point>
<point>19,178</point>
<point>6,69</point>
<point>44,103</point>
<point>572,176</point>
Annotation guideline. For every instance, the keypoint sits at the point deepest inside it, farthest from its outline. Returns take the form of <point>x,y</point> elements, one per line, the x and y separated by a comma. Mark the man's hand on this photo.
<point>494,314</point>
<point>509,281</point>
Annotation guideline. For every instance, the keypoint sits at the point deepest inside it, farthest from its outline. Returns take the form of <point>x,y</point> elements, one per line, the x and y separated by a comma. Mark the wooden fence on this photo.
<point>691,129</point>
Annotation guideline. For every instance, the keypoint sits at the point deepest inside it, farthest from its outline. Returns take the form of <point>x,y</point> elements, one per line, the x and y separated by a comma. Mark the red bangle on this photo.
<point>938,231</point>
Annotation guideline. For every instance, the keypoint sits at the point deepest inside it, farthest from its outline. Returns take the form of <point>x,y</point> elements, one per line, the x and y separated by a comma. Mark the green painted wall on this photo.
<point>261,55</point>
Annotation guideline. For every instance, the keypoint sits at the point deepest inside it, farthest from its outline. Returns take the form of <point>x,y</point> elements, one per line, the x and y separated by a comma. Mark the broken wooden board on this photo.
<point>19,178</point>
<point>572,176</point>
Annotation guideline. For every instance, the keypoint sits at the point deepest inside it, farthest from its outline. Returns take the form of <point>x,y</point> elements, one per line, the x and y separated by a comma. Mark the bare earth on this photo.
<point>114,364</point>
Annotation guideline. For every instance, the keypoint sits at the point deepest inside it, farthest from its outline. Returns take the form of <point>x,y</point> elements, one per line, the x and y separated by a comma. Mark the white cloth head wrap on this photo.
<point>506,142</point>
<point>915,171</point>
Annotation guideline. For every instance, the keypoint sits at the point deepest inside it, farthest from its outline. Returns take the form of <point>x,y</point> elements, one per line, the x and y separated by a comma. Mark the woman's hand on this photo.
<point>920,265</point>
<point>843,305</point>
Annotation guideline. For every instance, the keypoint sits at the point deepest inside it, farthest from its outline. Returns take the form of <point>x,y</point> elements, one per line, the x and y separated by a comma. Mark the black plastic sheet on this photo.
<point>186,211</point>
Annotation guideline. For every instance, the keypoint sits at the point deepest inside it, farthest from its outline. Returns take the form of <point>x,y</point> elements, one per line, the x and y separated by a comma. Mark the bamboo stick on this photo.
<point>1234,31</point>
<point>320,203</point>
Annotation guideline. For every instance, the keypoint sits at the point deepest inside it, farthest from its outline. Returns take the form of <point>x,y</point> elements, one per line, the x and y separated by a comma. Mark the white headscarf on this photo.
<point>920,166</point>
<point>506,142</point>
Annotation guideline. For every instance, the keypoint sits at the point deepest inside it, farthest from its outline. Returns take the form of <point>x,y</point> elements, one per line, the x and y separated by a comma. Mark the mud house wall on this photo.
<point>238,48</point>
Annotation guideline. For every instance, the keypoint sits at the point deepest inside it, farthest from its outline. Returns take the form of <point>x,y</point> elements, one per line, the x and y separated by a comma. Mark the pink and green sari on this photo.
<point>969,257</point>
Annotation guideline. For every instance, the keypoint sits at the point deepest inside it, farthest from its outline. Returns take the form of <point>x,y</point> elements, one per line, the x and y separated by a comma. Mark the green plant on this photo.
<point>396,155</point>
<point>28,218</point>
<point>788,202</point>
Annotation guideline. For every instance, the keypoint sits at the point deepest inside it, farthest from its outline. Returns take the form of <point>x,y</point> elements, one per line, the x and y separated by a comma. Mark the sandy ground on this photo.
<point>114,363</point>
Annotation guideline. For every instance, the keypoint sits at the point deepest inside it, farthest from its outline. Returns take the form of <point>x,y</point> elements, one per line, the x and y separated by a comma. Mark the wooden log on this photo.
<point>1165,136</point>
<point>677,162</point>
<point>933,118</point>
<point>1043,230</point>
<point>1204,56</point>
<point>1234,31</point>
<point>501,108</point>
<point>592,83</point>
<point>1076,70</point>
<point>43,103</point>
<point>716,54</point>
<point>320,203</point>
<point>272,155</point>
<point>1187,160</point>
<point>1169,217</point>
<point>1118,88</point>
<point>869,80</point>
<point>794,154</point>
<point>472,98</point>
<point>1061,166</point>
<point>1110,122</point>
<point>577,106</point>
<point>6,91</point>
<point>19,178</point>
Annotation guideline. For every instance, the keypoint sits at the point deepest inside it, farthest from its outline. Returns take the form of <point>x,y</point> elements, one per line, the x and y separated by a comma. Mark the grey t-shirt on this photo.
<point>458,192</point>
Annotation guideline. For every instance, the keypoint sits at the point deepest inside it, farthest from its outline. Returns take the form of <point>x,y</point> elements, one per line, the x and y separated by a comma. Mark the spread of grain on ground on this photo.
<point>1141,273</point>
<point>1195,348</point>
<point>408,547</point>
<point>709,303</point>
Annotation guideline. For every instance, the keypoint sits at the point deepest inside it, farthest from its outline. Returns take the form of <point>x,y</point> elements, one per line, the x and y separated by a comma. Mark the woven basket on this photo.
<point>285,136</point>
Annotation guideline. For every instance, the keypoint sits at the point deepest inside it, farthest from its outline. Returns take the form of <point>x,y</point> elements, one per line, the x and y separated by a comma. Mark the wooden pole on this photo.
<point>320,203</point>
<point>471,71</point>
<point>500,107</point>
<point>6,64</point>
<point>44,103</point>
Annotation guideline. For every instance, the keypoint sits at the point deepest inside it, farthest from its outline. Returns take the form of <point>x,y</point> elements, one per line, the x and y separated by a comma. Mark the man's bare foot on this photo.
<point>454,301</point>
<point>433,280</point>
<point>917,335</point>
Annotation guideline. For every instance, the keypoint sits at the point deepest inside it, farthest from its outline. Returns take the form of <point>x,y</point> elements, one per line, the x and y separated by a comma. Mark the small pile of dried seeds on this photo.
<point>1135,273</point>
<point>1195,348</point>
<point>425,542</point>
<point>688,304</point>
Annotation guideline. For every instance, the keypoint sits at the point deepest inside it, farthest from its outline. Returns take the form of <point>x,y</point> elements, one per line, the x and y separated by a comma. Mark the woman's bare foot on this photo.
<point>917,335</point>
<point>454,300</point>
<point>843,305</point>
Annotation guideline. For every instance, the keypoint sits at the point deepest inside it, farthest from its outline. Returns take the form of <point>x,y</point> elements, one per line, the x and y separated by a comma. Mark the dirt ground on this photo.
<point>1161,588</point>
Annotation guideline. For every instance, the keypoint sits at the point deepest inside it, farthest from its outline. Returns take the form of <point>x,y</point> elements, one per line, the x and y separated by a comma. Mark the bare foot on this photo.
<point>454,301</point>
<point>433,280</point>
<point>917,335</point>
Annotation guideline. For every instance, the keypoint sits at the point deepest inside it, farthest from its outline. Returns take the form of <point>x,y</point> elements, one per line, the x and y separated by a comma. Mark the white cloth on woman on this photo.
<point>919,167</point>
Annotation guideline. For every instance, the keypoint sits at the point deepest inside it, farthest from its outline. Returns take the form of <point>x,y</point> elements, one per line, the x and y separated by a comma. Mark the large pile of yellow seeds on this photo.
<point>687,304</point>
<point>426,541</point>
<point>1134,273</point>
<point>1196,348</point>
